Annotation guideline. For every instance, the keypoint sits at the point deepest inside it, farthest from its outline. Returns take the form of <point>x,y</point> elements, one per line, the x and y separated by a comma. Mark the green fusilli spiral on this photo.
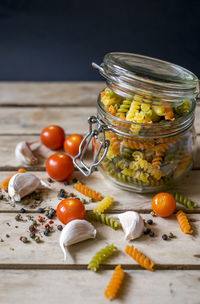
<point>183,200</point>
<point>124,107</point>
<point>103,219</point>
<point>101,256</point>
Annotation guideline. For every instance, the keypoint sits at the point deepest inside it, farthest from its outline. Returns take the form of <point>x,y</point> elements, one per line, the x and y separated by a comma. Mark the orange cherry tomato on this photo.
<point>70,209</point>
<point>59,166</point>
<point>72,143</point>
<point>53,137</point>
<point>164,204</point>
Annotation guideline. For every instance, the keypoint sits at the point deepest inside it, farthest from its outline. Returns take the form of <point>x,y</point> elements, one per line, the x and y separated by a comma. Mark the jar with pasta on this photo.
<point>143,135</point>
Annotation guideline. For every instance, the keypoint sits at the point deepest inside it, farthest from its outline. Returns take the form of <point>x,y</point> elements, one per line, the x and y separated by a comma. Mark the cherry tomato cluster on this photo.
<point>60,166</point>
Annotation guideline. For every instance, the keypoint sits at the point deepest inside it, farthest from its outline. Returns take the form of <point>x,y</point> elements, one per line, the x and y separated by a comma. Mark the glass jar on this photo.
<point>144,139</point>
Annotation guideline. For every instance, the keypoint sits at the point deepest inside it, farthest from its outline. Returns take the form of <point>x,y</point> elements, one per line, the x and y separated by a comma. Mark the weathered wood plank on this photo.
<point>51,286</point>
<point>125,200</point>
<point>50,93</point>
<point>170,253</point>
<point>31,120</point>
<point>9,142</point>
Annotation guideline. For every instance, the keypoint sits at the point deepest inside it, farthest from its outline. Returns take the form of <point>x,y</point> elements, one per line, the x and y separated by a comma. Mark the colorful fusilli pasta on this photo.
<point>183,222</point>
<point>139,257</point>
<point>183,200</point>
<point>101,256</point>
<point>88,191</point>
<point>104,204</point>
<point>104,219</point>
<point>115,283</point>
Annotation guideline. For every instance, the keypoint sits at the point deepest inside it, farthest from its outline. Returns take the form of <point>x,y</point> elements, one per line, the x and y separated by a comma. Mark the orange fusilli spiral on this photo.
<point>169,114</point>
<point>138,144</point>
<point>159,153</point>
<point>112,110</point>
<point>114,143</point>
<point>139,257</point>
<point>115,283</point>
<point>183,222</point>
<point>88,192</point>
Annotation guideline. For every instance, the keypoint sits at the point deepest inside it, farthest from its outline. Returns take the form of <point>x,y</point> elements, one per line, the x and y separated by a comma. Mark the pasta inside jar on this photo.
<point>147,113</point>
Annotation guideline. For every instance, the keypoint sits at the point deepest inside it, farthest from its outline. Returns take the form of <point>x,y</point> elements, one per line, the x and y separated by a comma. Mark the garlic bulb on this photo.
<point>24,154</point>
<point>22,184</point>
<point>75,232</point>
<point>132,224</point>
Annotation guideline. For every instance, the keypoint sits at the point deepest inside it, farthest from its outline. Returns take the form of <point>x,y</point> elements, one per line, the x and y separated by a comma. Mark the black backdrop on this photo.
<point>57,40</point>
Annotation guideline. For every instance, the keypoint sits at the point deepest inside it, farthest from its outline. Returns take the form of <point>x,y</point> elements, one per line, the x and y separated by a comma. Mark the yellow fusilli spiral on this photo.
<point>142,176</point>
<point>87,191</point>
<point>114,148</point>
<point>145,165</point>
<point>139,257</point>
<point>134,108</point>
<point>104,204</point>
<point>115,283</point>
<point>183,222</point>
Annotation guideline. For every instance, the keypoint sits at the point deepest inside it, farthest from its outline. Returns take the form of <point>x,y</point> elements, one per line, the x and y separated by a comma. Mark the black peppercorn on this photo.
<point>74,180</point>
<point>1,196</point>
<point>50,216</point>
<point>22,210</point>
<point>32,235</point>
<point>37,197</point>
<point>66,183</point>
<point>151,234</point>
<point>147,231</point>
<point>60,227</point>
<point>50,180</point>
<point>150,222</point>
<point>164,237</point>
<point>62,193</point>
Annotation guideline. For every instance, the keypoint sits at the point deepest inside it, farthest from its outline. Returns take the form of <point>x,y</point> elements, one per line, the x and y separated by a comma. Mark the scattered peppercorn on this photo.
<point>164,237</point>
<point>74,180</point>
<point>18,217</point>
<point>46,232</point>
<point>32,228</point>
<point>149,222</point>
<point>1,196</point>
<point>50,216</point>
<point>91,200</point>
<point>152,213</point>
<point>50,180</point>
<point>72,195</point>
<point>147,231</point>
<point>24,239</point>
<point>32,235</point>
<point>151,234</point>
<point>35,223</point>
<point>83,201</point>
<point>62,193</point>
<point>171,235</point>
<point>7,235</point>
<point>40,210</point>
<point>41,219</point>
<point>60,227</point>
<point>22,210</point>
<point>66,183</point>
<point>37,239</point>
<point>51,222</point>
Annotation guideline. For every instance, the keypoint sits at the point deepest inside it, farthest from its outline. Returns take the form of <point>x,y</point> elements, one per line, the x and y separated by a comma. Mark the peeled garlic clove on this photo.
<point>75,232</point>
<point>132,224</point>
<point>22,184</point>
<point>24,154</point>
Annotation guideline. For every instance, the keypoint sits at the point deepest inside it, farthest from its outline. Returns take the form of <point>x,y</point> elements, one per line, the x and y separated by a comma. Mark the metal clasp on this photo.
<point>104,144</point>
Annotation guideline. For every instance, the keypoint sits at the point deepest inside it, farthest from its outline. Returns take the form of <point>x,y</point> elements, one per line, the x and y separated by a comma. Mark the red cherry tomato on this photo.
<point>59,166</point>
<point>53,137</point>
<point>72,143</point>
<point>70,209</point>
<point>164,204</point>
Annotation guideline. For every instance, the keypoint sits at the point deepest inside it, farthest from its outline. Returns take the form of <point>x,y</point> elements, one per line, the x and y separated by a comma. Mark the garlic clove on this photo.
<point>74,232</point>
<point>24,154</point>
<point>22,184</point>
<point>132,224</point>
<point>43,151</point>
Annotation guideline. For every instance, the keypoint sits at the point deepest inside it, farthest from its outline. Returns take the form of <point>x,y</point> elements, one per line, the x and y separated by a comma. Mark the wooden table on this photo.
<point>36,273</point>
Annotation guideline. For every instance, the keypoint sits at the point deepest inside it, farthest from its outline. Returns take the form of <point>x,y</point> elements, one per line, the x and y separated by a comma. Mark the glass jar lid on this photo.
<point>128,74</point>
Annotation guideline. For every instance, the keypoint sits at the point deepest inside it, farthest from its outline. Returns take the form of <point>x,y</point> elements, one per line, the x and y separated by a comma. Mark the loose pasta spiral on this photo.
<point>101,256</point>
<point>87,191</point>
<point>183,222</point>
<point>139,257</point>
<point>104,219</point>
<point>183,200</point>
<point>115,283</point>
<point>104,204</point>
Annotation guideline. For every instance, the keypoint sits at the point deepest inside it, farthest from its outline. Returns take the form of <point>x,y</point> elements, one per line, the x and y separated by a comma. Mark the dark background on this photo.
<point>44,40</point>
